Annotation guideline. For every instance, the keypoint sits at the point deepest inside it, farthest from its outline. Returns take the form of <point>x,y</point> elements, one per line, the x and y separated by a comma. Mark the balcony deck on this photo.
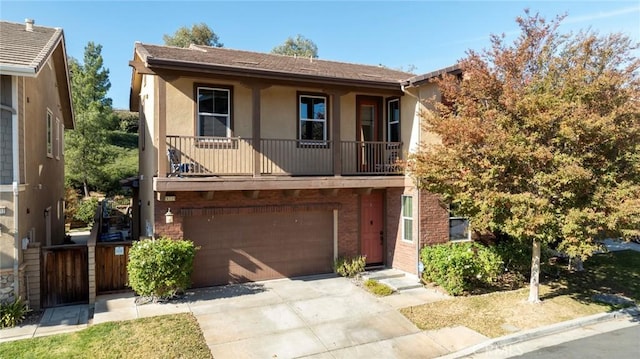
<point>216,163</point>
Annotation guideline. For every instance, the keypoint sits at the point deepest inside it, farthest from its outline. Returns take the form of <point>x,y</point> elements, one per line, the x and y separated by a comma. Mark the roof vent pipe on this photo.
<point>29,24</point>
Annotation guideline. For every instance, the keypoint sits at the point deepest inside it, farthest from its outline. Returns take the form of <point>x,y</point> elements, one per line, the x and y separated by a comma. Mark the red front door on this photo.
<point>372,227</point>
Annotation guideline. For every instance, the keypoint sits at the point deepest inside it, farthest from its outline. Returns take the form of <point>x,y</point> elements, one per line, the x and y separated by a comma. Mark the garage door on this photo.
<point>236,248</point>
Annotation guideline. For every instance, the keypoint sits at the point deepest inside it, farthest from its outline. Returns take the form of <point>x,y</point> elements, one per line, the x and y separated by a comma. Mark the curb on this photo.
<point>544,331</point>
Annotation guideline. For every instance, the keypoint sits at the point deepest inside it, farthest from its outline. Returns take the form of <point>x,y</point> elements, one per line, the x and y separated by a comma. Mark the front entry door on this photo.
<point>368,132</point>
<point>372,227</point>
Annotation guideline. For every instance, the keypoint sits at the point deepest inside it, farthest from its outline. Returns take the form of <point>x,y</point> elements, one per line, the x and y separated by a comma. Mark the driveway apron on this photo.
<point>312,317</point>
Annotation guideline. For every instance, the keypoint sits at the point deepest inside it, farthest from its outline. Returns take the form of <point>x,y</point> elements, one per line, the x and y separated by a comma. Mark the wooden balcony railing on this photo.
<point>207,156</point>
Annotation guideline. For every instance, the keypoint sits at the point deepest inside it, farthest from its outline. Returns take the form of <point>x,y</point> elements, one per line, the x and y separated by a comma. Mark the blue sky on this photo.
<point>426,34</point>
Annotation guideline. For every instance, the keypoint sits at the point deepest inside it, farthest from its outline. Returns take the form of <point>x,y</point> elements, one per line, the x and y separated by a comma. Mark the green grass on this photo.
<point>169,336</point>
<point>377,288</point>
<point>566,298</point>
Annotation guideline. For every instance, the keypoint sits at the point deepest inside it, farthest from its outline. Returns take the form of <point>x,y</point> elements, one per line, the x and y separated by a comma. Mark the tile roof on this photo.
<point>21,49</point>
<point>199,56</point>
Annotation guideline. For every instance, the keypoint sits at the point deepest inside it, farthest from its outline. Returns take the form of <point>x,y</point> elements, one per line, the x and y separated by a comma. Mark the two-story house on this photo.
<point>35,110</point>
<point>277,165</point>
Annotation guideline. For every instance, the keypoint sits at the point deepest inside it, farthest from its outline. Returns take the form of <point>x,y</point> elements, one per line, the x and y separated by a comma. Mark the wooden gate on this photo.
<point>111,266</point>
<point>66,275</point>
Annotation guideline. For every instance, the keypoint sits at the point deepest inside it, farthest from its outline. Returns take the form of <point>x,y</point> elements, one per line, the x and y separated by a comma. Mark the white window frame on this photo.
<point>49,133</point>
<point>57,143</point>
<point>323,121</point>
<point>394,122</point>
<point>61,139</point>
<point>214,114</point>
<point>406,217</point>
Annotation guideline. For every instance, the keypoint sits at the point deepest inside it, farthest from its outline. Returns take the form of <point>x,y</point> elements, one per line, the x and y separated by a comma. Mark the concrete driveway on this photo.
<point>310,317</point>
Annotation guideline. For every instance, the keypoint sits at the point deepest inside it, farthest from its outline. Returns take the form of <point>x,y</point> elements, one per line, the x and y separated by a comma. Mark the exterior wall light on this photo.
<point>168,217</point>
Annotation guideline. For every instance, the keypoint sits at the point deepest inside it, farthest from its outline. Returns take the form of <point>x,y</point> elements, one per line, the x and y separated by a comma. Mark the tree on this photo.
<point>540,140</point>
<point>199,34</point>
<point>86,146</point>
<point>300,46</point>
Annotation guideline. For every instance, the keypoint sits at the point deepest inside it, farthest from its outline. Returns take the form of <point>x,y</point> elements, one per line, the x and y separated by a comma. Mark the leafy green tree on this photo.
<point>540,139</point>
<point>199,34</point>
<point>86,151</point>
<point>299,46</point>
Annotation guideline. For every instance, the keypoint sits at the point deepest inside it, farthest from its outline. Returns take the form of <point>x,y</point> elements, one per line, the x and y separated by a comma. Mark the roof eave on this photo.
<point>187,66</point>
<point>18,70</point>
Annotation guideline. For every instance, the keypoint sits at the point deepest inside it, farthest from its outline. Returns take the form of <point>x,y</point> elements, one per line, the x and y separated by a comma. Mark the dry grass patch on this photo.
<point>169,336</point>
<point>494,314</point>
<point>566,298</point>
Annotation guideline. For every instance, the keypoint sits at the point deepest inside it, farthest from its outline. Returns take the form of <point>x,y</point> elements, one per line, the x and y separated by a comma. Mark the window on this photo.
<point>62,139</point>
<point>312,114</point>
<point>458,226</point>
<point>407,218</point>
<point>57,129</point>
<point>214,112</point>
<point>49,134</point>
<point>393,120</point>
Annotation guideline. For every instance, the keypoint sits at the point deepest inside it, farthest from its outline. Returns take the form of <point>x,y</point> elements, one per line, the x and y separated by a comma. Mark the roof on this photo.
<point>24,52</point>
<point>266,64</point>
<point>421,79</point>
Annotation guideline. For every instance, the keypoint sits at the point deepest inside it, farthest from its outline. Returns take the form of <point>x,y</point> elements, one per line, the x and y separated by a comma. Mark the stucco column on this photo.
<point>161,125</point>
<point>335,131</point>
<point>255,128</point>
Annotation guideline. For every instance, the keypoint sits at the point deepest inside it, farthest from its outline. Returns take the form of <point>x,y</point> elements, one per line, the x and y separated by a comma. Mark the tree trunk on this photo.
<point>86,188</point>
<point>534,287</point>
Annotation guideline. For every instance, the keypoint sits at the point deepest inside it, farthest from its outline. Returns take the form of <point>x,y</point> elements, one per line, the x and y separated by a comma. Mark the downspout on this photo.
<point>16,181</point>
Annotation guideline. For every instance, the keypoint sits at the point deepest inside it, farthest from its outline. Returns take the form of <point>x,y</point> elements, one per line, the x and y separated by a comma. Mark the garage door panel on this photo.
<point>260,246</point>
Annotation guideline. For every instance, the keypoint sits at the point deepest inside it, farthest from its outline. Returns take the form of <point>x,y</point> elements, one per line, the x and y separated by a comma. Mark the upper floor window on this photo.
<point>49,133</point>
<point>214,112</point>
<point>312,114</point>
<point>393,120</point>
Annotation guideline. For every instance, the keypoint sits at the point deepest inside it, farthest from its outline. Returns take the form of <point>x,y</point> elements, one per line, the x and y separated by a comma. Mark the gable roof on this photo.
<point>24,53</point>
<point>212,59</point>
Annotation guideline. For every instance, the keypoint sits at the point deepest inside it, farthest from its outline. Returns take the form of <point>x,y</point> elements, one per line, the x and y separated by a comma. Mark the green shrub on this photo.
<point>349,267</point>
<point>377,288</point>
<point>161,268</point>
<point>86,210</point>
<point>11,314</point>
<point>457,266</point>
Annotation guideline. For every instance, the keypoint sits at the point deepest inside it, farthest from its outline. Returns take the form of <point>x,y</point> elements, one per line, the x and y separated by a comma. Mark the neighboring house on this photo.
<point>35,106</point>
<point>276,165</point>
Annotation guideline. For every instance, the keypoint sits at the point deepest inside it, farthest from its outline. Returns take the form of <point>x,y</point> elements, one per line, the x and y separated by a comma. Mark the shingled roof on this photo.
<point>25,52</point>
<point>213,58</point>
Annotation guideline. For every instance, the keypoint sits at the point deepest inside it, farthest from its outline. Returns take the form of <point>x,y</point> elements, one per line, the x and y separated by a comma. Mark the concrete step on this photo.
<point>396,279</point>
<point>402,283</point>
<point>382,274</point>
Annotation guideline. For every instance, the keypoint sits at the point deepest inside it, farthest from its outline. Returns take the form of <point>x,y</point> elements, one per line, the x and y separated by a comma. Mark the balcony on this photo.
<point>210,159</point>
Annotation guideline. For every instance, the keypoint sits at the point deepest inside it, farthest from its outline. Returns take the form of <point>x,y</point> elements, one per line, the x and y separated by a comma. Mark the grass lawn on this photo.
<point>566,298</point>
<point>168,336</point>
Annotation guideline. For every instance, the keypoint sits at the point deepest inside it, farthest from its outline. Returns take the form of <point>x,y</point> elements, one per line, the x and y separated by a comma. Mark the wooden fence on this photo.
<point>66,275</point>
<point>111,266</point>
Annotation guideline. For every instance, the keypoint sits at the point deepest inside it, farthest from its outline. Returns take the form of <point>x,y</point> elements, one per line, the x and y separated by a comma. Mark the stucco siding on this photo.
<point>147,152</point>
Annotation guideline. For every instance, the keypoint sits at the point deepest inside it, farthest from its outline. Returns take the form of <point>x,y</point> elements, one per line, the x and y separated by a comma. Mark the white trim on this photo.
<point>57,137</point>
<point>49,133</point>
<point>17,70</point>
<point>8,188</point>
<point>335,234</point>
